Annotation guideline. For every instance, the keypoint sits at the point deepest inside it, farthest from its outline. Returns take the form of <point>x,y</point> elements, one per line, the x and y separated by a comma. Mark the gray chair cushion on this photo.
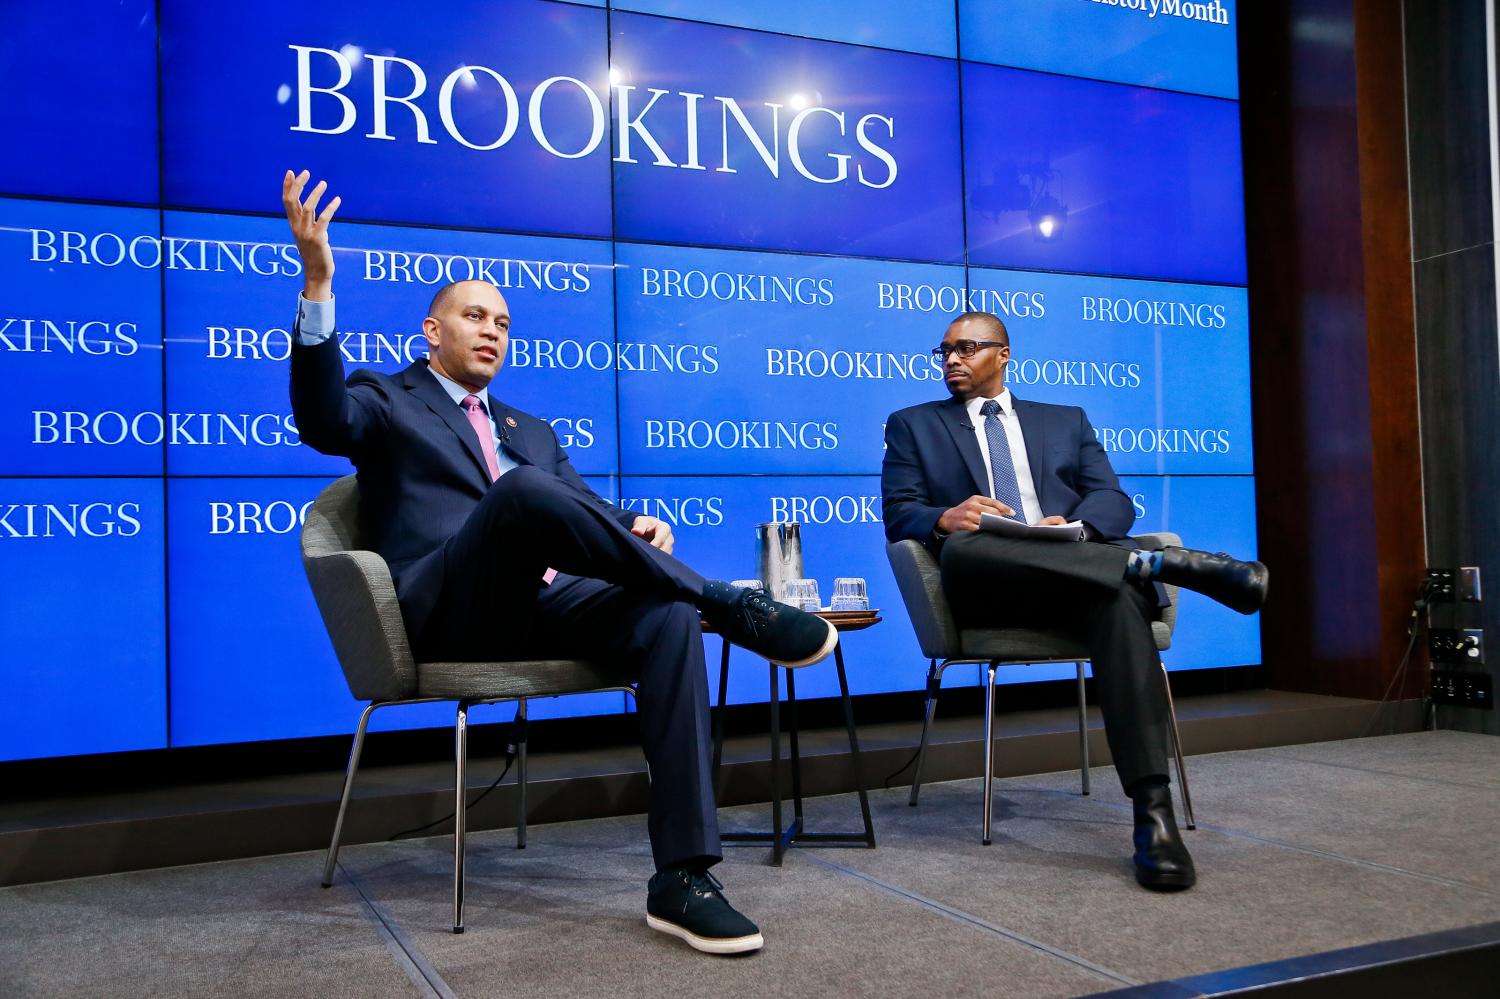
<point>358,603</point>
<point>332,524</point>
<point>1019,645</point>
<point>1163,629</point>
<point>920,581</point>
<point>357,599</point>
<point>921,586</point>
<point>540,678</point>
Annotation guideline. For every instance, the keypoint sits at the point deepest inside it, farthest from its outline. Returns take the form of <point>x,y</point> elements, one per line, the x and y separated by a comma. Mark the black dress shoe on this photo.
<point>1162,862</point>
<point>1237,585</point>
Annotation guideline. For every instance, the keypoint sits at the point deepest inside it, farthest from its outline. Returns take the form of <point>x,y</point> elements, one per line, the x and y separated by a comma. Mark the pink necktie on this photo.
<point>481,425</point>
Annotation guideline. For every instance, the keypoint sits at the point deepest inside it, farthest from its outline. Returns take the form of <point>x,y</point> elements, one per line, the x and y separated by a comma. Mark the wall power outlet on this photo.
<point>1456,645</point>
<point>1464,688</point>
<point>1468,584</point>
<point>1439,586</point>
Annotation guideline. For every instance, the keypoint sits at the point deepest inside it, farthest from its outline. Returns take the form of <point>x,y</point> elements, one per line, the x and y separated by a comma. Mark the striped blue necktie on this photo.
<point>1002,469</point>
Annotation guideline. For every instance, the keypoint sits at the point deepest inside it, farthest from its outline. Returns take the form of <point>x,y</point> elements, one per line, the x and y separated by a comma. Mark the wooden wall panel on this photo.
<point>1390,324</point>
<point>1331,338</point>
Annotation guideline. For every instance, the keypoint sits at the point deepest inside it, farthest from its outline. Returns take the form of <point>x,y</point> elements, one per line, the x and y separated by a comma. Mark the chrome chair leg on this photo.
<point>1083,727</point>
<point>521,726</point>
<point>1182,780</point>
<point>934,681</point>
<point>460,810</point>
<point>338,823</point>
<point>989,750</point>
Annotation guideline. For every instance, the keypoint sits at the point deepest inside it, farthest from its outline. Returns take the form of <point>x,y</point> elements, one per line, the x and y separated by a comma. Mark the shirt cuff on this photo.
<point>314,321</point>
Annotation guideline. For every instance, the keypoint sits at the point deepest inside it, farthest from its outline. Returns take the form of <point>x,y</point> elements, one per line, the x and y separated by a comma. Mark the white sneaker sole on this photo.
<point>828,643</point>
<point>708,945</point>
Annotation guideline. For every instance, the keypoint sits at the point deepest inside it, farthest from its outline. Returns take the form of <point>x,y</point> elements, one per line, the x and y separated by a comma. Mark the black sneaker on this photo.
<point>691,906</point>
<point>777,631</point>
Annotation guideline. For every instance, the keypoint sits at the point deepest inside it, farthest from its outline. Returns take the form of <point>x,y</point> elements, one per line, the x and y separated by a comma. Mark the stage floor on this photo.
<point>1300,849</point>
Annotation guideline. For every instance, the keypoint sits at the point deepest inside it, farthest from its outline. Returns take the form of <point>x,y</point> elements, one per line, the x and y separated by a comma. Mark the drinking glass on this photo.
<point>803,593</point>
<point>849,594</point>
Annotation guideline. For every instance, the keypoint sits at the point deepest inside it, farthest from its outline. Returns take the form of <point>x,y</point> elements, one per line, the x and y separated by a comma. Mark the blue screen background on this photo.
<point>917,217</point>
<point>1150,179</point>
<point>445,182</point>
<point>717,347</point>
<point>1104,42</point>
<point>906,25</point>
<point>89,75</point>
<point>101,353</point>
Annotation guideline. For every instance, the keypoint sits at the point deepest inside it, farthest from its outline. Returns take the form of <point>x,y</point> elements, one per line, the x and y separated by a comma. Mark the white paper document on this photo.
<point>996,524</point>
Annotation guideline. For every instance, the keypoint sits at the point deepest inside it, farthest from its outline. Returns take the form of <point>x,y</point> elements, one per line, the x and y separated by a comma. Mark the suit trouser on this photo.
<point>616,600</point>
<point>992,582</point>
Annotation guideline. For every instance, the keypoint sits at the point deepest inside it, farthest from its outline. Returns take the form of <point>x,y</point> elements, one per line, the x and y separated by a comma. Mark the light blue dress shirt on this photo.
<point>315,324</point>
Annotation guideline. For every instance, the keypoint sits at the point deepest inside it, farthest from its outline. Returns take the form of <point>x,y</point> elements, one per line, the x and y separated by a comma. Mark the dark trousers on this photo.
<point>616,600</point>
<point>993,582</point>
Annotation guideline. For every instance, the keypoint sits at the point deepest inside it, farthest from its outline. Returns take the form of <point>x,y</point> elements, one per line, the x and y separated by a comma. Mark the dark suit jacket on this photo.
<point>420,469</point>
<point>932,462</point>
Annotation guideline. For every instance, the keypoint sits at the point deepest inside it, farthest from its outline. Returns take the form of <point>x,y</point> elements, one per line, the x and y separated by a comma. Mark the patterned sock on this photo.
<point>1142,566</point>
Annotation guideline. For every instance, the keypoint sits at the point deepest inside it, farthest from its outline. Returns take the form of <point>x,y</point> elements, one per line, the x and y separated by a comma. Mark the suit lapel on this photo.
<point>510,431</point>
<point>1034,433</point>
<point>956,418</point>
<point>421,383</point>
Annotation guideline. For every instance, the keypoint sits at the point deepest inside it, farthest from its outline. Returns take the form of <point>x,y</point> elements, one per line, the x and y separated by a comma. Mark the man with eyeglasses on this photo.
<point>983,451</point>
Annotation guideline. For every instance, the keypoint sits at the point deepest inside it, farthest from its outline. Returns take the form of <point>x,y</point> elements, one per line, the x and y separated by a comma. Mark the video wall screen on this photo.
<point>729,235</point>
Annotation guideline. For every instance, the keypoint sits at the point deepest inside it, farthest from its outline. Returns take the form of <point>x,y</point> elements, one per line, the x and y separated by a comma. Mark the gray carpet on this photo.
<point>250,928</point>
<point>1059,871</point>
<point>565,918</point>
<point>1300,849</point>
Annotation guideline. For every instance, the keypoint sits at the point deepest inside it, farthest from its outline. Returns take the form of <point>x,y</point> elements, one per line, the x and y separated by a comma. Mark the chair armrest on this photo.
<point>920,581</point>
<point>1156,542</point>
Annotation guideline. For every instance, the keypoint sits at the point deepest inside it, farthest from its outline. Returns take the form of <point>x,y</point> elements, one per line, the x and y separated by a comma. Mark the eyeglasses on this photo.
<point>964,348</point>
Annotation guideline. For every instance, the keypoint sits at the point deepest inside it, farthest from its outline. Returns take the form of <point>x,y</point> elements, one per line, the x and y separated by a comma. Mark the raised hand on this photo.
<point>310,230</point>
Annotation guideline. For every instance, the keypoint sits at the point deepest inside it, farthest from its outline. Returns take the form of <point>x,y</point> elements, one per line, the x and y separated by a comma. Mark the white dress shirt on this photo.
<point>1031,509</point>
<point>315,324</point>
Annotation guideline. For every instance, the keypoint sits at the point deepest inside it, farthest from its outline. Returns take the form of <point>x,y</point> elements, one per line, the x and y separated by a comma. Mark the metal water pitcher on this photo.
<point>778,555</point>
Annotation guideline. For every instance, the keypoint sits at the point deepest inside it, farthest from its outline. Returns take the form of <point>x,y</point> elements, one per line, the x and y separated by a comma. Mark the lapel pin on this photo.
<point>510,421</point>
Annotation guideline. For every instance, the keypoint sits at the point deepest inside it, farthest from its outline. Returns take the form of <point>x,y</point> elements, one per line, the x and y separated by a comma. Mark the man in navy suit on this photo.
<point>499,550</point>
<point>984,451</point>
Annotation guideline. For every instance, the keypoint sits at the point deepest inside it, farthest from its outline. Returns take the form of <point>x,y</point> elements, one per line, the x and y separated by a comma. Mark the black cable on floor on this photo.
<point>915,753</point>
<point>510,757</point>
